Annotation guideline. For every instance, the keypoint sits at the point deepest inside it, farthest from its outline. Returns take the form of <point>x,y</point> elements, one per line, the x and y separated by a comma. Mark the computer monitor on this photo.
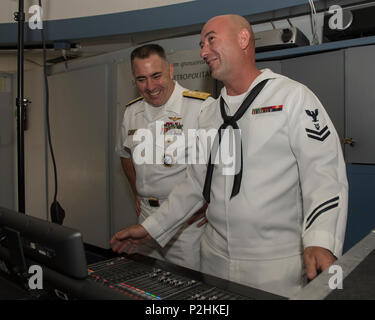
<point>27,240</point>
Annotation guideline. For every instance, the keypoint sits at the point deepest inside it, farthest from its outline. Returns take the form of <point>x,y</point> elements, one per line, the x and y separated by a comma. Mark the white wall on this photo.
<point>79,111</point>
<point>7,126</point>
<point>8,62</point>
<point>65,9</point>
<point>35,145</point>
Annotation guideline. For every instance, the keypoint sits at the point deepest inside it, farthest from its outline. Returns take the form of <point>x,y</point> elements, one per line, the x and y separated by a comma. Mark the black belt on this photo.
<point>153,202</point>
<point>231,121</point>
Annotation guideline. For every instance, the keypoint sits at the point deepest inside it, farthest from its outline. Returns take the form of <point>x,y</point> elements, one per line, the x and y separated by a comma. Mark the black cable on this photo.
<point>57,212</point>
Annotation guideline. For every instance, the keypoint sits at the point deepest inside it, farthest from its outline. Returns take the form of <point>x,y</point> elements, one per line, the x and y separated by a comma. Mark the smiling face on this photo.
<point>154,79</point>
<point>227,46</point>
<point>219,47</point>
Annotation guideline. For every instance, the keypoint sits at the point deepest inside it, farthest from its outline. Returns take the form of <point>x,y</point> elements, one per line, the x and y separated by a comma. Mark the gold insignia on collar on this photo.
<point>196,94</point>
<point>133,101</point>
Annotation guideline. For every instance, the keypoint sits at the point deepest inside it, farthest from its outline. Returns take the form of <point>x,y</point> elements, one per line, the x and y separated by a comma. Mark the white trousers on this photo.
<point>183,249</point>
<point>283,276</point>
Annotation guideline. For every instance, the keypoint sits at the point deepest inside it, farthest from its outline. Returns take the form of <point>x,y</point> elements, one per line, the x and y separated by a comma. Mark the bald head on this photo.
<point>231,19</point>
<point>234,24</point>
<point>227,46</point>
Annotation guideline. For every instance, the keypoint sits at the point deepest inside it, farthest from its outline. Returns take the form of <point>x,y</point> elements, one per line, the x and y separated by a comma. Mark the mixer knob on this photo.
<point>178,283</point>
<point>167,280</point>
<point>191,282</point>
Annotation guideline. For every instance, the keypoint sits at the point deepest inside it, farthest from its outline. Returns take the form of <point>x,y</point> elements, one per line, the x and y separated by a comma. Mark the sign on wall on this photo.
<point>191,71</point>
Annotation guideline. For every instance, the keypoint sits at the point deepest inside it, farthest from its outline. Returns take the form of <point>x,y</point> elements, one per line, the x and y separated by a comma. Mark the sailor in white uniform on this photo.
<point>159,127</point>
<point>282,217</point>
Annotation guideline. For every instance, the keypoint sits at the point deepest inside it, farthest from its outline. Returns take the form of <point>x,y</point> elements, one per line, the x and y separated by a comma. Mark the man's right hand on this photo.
<point>199,215</point>
<point>129,238</point>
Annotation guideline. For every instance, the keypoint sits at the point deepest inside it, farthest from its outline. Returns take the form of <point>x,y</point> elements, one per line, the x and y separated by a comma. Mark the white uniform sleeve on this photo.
<point>184,200</point>
<point>121,149</point>
<point>322,171</point>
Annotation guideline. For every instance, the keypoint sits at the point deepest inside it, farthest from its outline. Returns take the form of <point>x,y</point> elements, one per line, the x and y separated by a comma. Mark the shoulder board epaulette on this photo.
<point>196,94</point>
<point>134,101</point>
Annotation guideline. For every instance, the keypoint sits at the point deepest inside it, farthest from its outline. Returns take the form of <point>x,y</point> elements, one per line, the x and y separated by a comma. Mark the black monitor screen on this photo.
<point>47,244</point>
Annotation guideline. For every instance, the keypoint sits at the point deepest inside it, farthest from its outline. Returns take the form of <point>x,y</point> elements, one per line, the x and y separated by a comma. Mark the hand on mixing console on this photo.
<point>129,238</point>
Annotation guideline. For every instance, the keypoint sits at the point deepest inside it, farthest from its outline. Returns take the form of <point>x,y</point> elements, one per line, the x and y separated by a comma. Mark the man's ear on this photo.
<point>171,70</point>
<point>244,38</point>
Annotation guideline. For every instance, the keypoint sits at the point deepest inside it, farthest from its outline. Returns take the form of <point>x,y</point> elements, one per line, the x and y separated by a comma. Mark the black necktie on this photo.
<point>231,121</point>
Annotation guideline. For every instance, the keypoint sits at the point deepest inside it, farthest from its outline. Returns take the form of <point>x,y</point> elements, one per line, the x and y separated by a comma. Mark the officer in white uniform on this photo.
<point>159,127</point>
<point>289,215</point>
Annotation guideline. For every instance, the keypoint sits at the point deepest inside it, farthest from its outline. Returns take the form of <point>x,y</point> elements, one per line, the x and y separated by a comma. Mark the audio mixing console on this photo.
<point>153,281</point>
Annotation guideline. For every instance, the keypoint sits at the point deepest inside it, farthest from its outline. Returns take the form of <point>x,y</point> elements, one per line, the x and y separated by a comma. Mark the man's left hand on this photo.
<point>317,259</point>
